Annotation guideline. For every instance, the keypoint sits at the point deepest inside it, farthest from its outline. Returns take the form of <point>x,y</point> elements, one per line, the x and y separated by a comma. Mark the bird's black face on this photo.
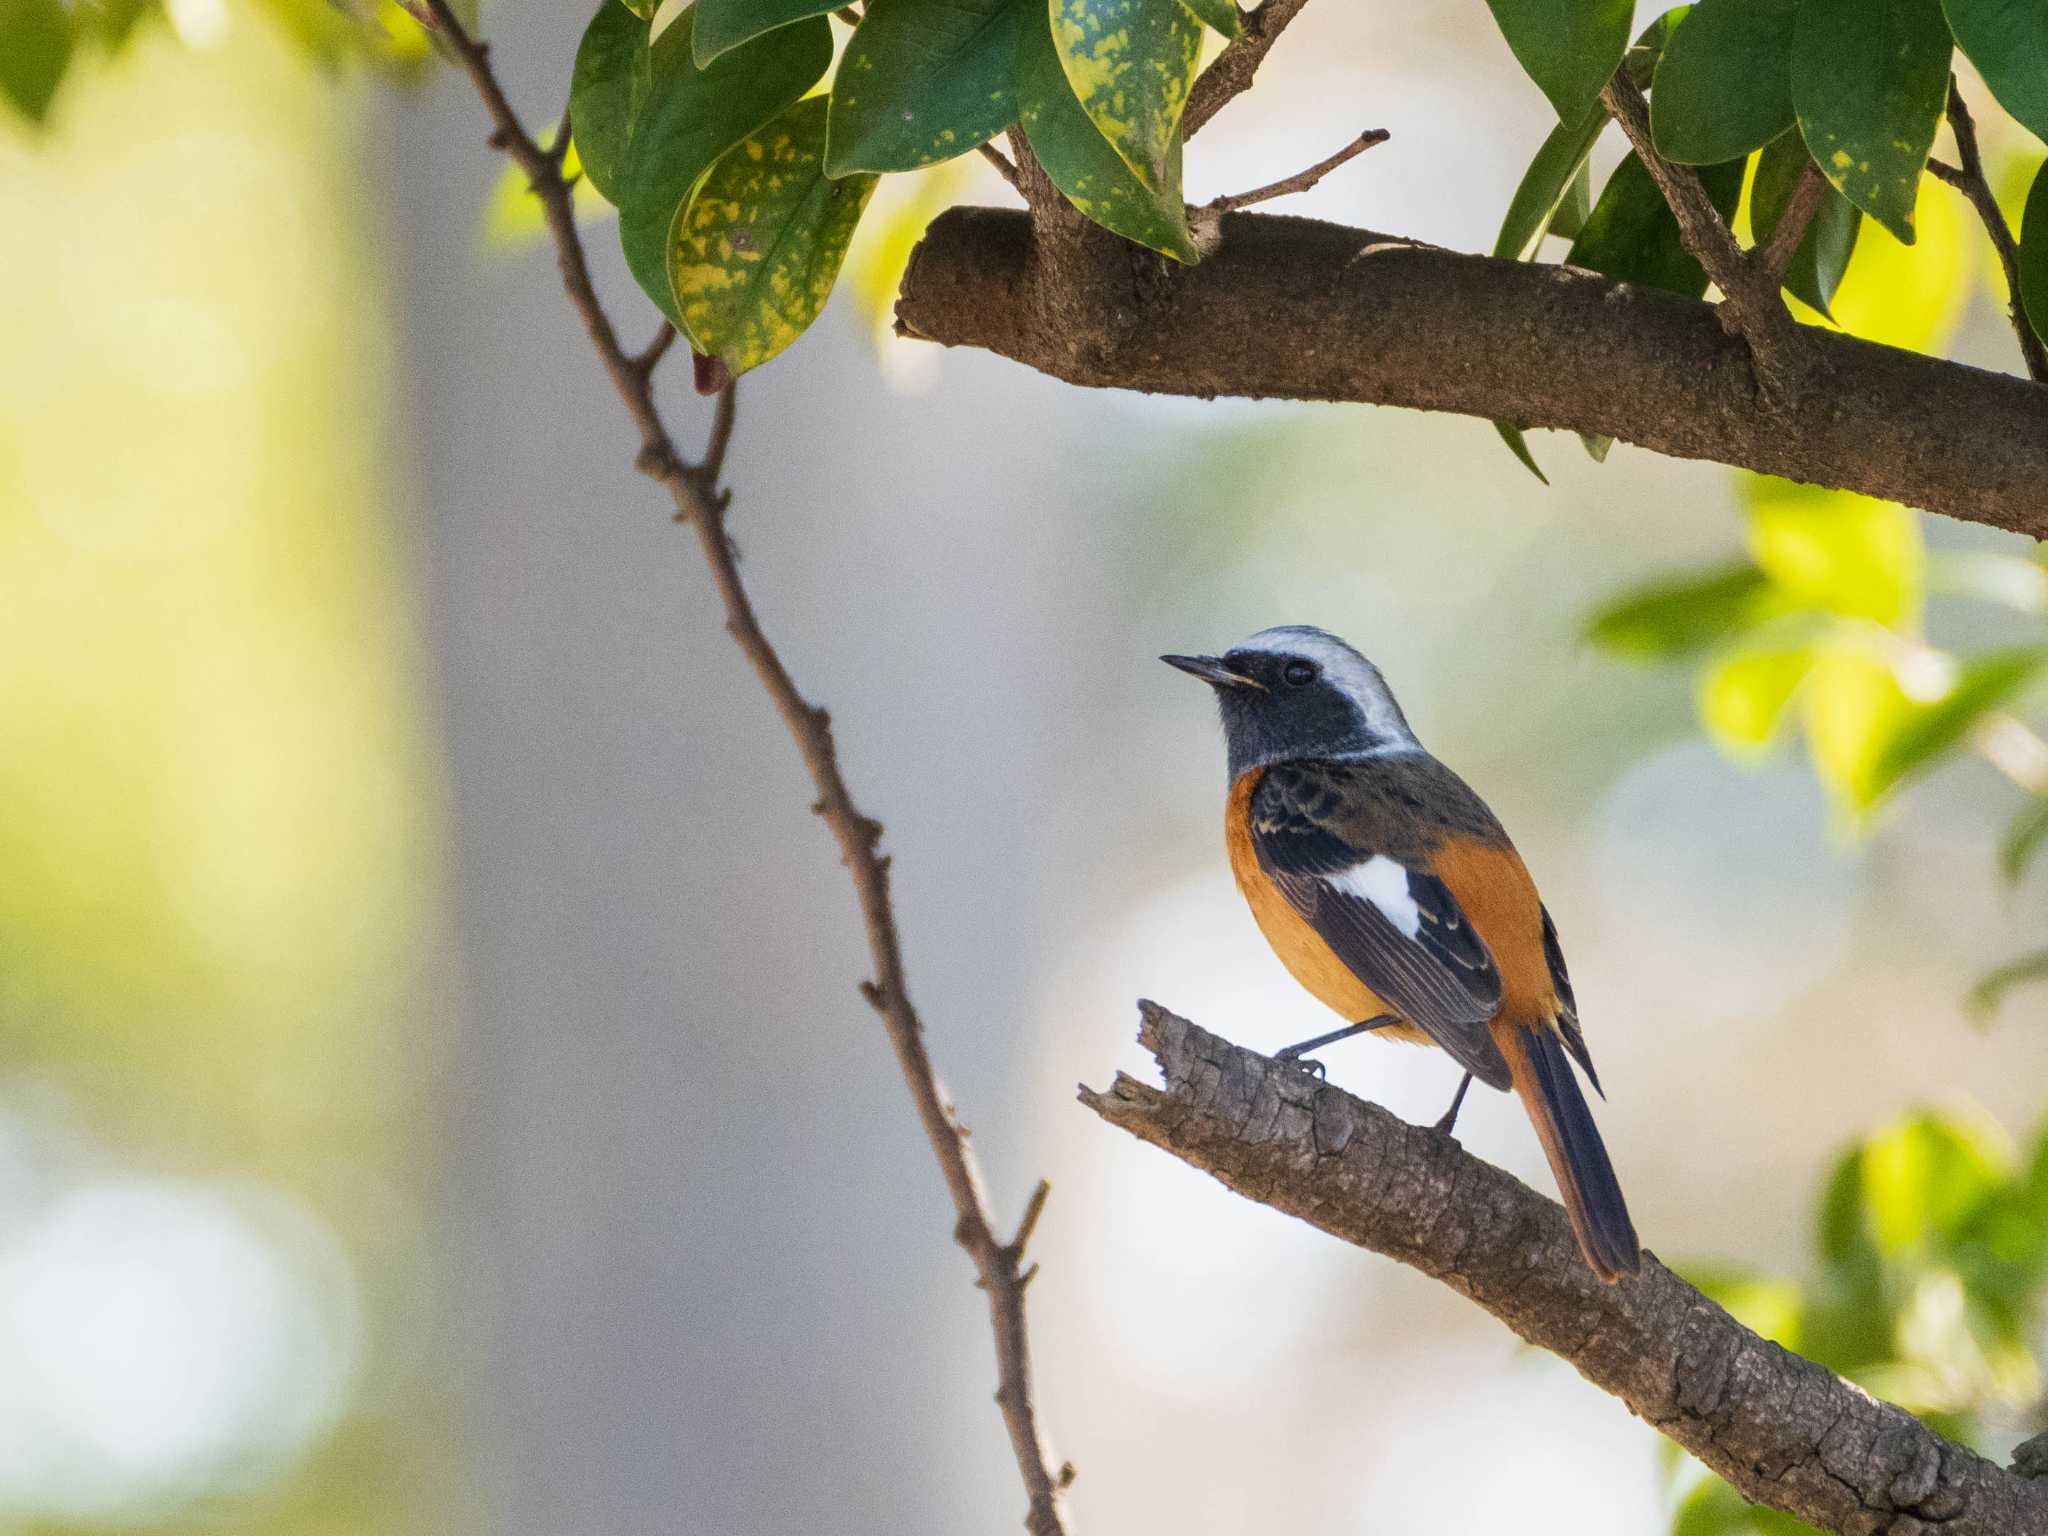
<point>1280,704</point>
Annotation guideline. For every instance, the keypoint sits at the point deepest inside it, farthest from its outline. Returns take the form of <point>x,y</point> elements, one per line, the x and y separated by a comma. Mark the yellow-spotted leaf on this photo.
<point>1090,174</point>
<point>1853,555</point>
<point>1869,78</point>
<point>753,256</point>
<point>1742,697</point>
<point>1131,64</point>
<point>1854,706</point>
<point>925,80</point>
<point>1220,16</point>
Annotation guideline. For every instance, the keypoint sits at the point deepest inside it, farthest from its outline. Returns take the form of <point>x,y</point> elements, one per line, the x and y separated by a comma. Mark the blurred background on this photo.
<point>434,1092</point>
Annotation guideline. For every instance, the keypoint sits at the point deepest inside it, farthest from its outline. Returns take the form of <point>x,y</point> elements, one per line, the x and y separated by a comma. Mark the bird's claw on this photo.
<point>1307,1064</point>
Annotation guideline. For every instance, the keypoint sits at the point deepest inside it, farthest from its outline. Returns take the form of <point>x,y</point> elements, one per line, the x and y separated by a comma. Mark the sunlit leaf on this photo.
<point>2034,254</point>
<point>2008,42</point>
<point>613,74</point>
<point>1763,1304</point>
<point>1912,296</point>
<point>1852,555</point>
<point>1742,697</point>
<point>2023,840</point>
<point>1931,729</point>
<point>1853,707</point>
<point>1518,445</point>
<point>35,50</point>
<point>1218,15</point>
<point>1925,1175</point>
<point>1570,48</point>
<point>757,250</point>
<point>1088,172</point>
<point>1869,79</point>
<point>1984,998</point>
<point>925,80</point>
<point>1677,616</point>
<point>1632,237</point>
<point>889,232</point>
<point>1131,64</point>
<point>1724,86</point>
<point>1816,268</point>
<point>691,117</point>
<point>723,25</point>
<point>513,215</point>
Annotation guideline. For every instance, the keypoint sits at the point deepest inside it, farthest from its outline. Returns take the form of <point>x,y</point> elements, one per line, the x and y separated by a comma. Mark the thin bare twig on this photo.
<point>1005,168</point>
<point>1301,181</point>
<point>1970,180</point>
<point>649,358</point>
<point>1775,255</point>
<point>1229,76</point>
<point>701,502</point>
<point>1751,308</point>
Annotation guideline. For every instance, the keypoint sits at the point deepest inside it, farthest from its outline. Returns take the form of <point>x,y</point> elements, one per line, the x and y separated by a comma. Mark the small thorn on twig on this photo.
<point>1029,1274</point>
<point>1067,1474</point>
<point>500,140</point>
<point>1033,1209</point>
<point>873,996</point>
<point>656,462</point>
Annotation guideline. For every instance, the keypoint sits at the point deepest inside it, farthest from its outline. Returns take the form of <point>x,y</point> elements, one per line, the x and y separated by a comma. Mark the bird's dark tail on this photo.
<point>1578,1158</point>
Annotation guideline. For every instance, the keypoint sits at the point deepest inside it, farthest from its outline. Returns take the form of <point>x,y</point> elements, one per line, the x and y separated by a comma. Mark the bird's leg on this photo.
<point>1295,1052</point>
<point>1450,1117</point>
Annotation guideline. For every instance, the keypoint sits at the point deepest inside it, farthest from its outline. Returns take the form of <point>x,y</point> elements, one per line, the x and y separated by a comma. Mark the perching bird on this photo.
<point>1390,891</point>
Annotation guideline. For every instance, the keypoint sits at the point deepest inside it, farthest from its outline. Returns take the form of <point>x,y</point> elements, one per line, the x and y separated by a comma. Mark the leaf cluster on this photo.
<point>741,156</point>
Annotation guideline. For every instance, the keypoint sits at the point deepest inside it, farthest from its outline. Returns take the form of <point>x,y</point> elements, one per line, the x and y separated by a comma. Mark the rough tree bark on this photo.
<point>1303,310</point>
<point>1785,1431</point>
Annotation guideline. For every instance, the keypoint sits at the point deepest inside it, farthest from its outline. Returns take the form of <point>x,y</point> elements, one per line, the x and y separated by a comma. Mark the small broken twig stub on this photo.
<point>1783,1430</point>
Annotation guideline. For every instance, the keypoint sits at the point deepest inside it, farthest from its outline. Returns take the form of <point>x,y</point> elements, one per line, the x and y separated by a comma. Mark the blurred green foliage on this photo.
<point>1930,1269</point>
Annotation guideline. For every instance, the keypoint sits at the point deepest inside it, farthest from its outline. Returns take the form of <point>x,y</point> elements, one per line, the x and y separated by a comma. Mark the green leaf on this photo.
<point>1090,174</point>
<point>1681,616</point>
<point>1518,445</point>
<point>1558,178</point>
<point>690,118</point>
<point>1816,268</point>
<point>2034,254</point>
<point>1990,990</point>
<point>1924,1177</point>
<point>1853,555</point>
<point>1560,163</point>
<point>1597,445</point>
<point>1853,707</point>
<point>758,248</point>
<point>1724,86</point>
<point>613,74</point>
<point>1131,64</point>
<point>1742,697</point>
<point>1761,1304</point>
<point>1982,684</point>
<point>2008,42</point>
<point>644,9</point>
<point>35,50</point>
<point>1869,80</point>
<point>1575,207</point>
<point>1217,15</point>
<point>722,25</point>
<point>1632,237</point>
<point>1844,1242</point>
<point>2023,840</point>
<point>1570,48</point>
<point>925,80</point>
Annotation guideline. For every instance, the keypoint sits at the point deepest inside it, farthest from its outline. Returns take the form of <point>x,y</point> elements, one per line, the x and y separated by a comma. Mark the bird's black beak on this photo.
<point>1211,670</point>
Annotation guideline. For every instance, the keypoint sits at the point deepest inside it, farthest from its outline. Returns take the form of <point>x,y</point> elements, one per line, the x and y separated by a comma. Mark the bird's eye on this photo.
<point>1299,674</point>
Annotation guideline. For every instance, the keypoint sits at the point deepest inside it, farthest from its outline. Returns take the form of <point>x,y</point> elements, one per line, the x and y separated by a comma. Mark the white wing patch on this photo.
<point>1384,883</point>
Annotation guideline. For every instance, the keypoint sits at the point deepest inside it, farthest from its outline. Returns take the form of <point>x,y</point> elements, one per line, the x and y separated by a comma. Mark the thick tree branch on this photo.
<point>1782,1429</point>
<point>1970,180</point>
<point>1303,310</point>
<point>701,502</point>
